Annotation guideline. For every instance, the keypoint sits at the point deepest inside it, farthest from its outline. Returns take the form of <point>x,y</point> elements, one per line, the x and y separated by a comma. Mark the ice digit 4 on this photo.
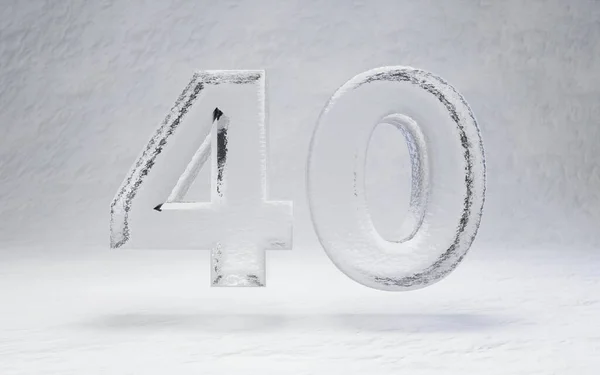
<point>225,122</point>
<point>448,172</point>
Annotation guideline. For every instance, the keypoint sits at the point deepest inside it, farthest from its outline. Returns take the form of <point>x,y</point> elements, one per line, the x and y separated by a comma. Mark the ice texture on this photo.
<point>448,178</point>
<point>225,123</point>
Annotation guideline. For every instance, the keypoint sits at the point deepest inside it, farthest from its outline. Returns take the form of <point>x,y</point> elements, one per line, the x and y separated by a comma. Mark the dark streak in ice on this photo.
<point>217,279</point>
<point>254,280</point>
<point>221,152</point>
<point>145,162</point>
<point>217,113</point>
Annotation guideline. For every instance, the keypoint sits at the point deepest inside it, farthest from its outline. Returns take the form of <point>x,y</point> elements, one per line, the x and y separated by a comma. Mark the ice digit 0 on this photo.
<point>448,172</point>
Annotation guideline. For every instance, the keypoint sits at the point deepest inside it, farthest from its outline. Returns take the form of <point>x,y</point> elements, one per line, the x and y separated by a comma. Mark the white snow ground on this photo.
<point>99,311</point>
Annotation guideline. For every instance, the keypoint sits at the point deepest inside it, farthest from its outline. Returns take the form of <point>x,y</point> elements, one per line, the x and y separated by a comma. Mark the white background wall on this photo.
<point>84,83</point>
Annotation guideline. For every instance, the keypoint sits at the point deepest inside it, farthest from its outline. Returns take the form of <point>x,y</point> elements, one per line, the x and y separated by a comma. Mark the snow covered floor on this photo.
<point>100,311</point>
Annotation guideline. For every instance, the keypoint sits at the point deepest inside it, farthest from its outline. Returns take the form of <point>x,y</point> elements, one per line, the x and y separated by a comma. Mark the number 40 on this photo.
<point>226,123</point>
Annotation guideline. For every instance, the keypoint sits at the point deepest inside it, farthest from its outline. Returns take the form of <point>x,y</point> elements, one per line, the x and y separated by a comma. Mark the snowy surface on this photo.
<point>91,311</point>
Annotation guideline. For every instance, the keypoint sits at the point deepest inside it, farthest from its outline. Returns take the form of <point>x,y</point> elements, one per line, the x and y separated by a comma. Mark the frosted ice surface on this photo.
<point>225,125</point>
<point>448,178</point>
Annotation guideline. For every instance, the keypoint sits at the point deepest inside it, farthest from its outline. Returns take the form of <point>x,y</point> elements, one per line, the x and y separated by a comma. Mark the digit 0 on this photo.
<point>448,178</point>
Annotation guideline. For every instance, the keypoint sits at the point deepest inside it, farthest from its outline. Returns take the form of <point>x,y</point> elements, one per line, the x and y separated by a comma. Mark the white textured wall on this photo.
<point>84,83</point>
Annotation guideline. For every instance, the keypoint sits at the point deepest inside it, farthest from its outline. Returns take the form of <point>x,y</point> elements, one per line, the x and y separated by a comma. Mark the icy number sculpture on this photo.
<point>225,122</point>
<point>448,178</point>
